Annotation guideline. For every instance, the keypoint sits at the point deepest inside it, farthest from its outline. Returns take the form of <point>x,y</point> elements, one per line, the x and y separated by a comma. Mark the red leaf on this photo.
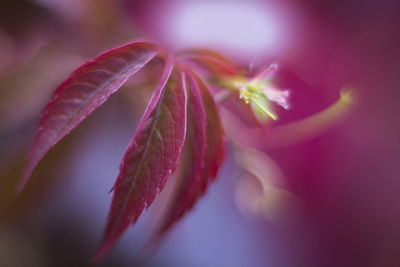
<point>151,157</point>
<point>215,152</point>
<point>211,60</point>
<point>205,146</point>
<point>86,89</point>
<point>185,193</point>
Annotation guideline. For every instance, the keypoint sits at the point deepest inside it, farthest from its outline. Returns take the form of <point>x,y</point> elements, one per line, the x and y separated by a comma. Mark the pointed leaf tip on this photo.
<point>85,90</point>
<point>151,157</point>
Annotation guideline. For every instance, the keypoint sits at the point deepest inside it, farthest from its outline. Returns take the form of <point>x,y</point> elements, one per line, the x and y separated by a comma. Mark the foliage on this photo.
<point>181,124</point>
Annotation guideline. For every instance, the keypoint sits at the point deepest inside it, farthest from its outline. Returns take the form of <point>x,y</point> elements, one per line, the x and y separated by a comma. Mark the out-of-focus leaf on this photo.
<point>85,90</point>
<point>268,199</point>
<point>210,60</point>
<point>290,133</point>
<point>24,27</point>
<point>40,75</point>
<point>151,157</point>
<point>47,177</point>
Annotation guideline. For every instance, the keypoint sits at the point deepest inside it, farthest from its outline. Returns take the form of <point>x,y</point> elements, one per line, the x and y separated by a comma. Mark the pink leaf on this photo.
<point>150,158</point>
<point>86,89</point>
<point>205,149</point>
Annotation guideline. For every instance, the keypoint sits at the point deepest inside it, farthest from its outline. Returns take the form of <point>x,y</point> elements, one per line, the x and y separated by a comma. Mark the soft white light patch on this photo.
<point>249,28</point>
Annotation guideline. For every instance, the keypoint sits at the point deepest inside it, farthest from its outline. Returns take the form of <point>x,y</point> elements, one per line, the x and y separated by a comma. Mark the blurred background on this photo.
<point>338,202</point>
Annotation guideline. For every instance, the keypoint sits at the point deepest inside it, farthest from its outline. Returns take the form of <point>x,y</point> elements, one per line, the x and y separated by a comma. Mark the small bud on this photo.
<point>258,92</point>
